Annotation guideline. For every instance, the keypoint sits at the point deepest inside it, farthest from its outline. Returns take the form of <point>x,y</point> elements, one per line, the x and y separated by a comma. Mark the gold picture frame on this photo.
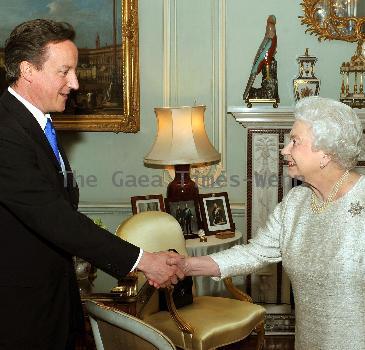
<point>129,120</point>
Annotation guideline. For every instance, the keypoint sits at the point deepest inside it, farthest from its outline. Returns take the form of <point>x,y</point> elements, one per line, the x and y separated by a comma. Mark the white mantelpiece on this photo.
<point>268,116</point>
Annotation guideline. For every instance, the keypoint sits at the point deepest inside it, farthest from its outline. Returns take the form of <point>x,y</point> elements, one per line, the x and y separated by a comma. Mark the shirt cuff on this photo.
<point>138,259</point>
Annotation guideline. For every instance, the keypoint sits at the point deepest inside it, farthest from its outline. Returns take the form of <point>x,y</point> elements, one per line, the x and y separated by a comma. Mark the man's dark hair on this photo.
<point>28,41</point>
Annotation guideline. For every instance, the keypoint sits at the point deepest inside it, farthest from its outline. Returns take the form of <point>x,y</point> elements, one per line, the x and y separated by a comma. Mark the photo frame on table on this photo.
<point>153,202</point>
<point>187,213</point>
<point>216,212</point>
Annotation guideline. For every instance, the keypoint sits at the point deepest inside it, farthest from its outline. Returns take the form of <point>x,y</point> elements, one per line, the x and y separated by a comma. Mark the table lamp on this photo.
<point>181,141</point>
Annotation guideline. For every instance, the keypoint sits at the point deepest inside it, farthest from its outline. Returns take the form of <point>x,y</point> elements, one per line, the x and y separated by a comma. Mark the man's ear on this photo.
<point>26,70</point>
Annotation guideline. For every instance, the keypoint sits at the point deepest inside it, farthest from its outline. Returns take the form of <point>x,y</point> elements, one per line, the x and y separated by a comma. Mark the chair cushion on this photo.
<point>216,321</point>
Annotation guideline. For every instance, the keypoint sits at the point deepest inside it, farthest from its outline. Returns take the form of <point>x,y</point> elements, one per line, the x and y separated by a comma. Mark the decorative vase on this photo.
<point>306,84</point>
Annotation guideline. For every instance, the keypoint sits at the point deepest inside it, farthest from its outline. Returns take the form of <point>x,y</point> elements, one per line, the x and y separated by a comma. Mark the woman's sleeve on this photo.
<point>263,249</point>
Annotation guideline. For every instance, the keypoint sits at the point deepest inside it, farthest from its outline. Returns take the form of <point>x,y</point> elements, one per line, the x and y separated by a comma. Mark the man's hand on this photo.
<point>181,262</point>
<point>157,271</point>
<point>195,266</point>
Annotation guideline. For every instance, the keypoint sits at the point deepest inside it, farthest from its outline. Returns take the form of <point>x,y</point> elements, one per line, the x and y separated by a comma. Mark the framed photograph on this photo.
<point>107,36</point>
<point>187,214</point>
<point>152,202</point>
<point>216,212</point>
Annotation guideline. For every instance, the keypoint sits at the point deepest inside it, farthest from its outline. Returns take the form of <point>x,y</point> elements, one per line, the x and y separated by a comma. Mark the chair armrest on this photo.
<point>184,326</point>
<point>237,293</point>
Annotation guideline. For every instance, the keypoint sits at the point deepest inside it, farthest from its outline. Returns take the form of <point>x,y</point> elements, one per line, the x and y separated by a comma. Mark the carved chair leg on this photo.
<point>260,331</point>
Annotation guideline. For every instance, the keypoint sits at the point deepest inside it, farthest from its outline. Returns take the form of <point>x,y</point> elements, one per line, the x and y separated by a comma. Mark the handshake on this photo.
<point>165,268</point>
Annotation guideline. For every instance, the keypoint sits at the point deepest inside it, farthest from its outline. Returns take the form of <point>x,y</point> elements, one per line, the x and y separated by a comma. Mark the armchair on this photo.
<point>114,329</point>
<point>209,322</point>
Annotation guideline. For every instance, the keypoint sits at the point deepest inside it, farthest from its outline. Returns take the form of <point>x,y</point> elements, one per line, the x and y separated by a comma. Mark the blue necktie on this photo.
<point>52,139</point>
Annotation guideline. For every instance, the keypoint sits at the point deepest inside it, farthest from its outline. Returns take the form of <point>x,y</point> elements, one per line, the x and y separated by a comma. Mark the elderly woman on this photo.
<point>317,231</point>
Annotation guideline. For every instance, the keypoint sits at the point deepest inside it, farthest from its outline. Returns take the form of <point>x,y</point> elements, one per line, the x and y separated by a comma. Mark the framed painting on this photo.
<point>187,214</point>
<point>107,37</point>
<point>216,212</point>
<point>147,203</point>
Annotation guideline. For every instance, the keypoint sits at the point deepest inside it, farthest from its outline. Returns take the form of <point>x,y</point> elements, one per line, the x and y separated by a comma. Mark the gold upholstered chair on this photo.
<point>209,322</point>
<point>117,330</point>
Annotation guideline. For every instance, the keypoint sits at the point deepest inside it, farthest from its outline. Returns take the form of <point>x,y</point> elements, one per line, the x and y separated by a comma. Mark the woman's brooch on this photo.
<point>356,208</point>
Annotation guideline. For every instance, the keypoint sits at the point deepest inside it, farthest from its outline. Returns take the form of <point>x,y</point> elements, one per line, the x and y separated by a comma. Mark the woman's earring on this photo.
<point>321,165</point>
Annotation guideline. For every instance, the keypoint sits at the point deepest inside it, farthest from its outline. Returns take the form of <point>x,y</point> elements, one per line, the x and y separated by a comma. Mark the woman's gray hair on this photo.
<point>336,128</point>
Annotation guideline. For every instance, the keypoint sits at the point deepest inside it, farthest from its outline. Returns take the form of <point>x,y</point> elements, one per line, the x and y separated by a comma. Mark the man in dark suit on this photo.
<point>41,228</point>
<point>188,216</point>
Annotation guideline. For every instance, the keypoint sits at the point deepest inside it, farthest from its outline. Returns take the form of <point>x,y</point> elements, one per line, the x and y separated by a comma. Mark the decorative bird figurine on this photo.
<point>264,55</point>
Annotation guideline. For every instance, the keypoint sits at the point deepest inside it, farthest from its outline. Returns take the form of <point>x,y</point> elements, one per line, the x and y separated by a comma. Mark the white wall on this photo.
<point>192,70</point>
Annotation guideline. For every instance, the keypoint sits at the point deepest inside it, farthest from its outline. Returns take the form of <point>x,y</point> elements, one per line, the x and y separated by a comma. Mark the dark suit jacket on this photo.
<point>41,230</point>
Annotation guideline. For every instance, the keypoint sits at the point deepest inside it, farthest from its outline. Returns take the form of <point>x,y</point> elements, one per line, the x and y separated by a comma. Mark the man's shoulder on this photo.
<point>8,124</point>
<point>10,128</point>
<point>6,112</point>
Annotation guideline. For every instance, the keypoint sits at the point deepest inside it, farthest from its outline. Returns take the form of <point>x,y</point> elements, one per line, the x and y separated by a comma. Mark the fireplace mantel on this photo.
<point>267,116</point>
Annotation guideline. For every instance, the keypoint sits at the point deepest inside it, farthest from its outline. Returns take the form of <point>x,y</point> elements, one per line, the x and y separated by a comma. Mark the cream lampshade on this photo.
<point>181,141</point>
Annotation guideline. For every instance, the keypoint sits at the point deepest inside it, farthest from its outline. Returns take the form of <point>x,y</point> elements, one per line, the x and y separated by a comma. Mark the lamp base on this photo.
<point>182,187</point>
